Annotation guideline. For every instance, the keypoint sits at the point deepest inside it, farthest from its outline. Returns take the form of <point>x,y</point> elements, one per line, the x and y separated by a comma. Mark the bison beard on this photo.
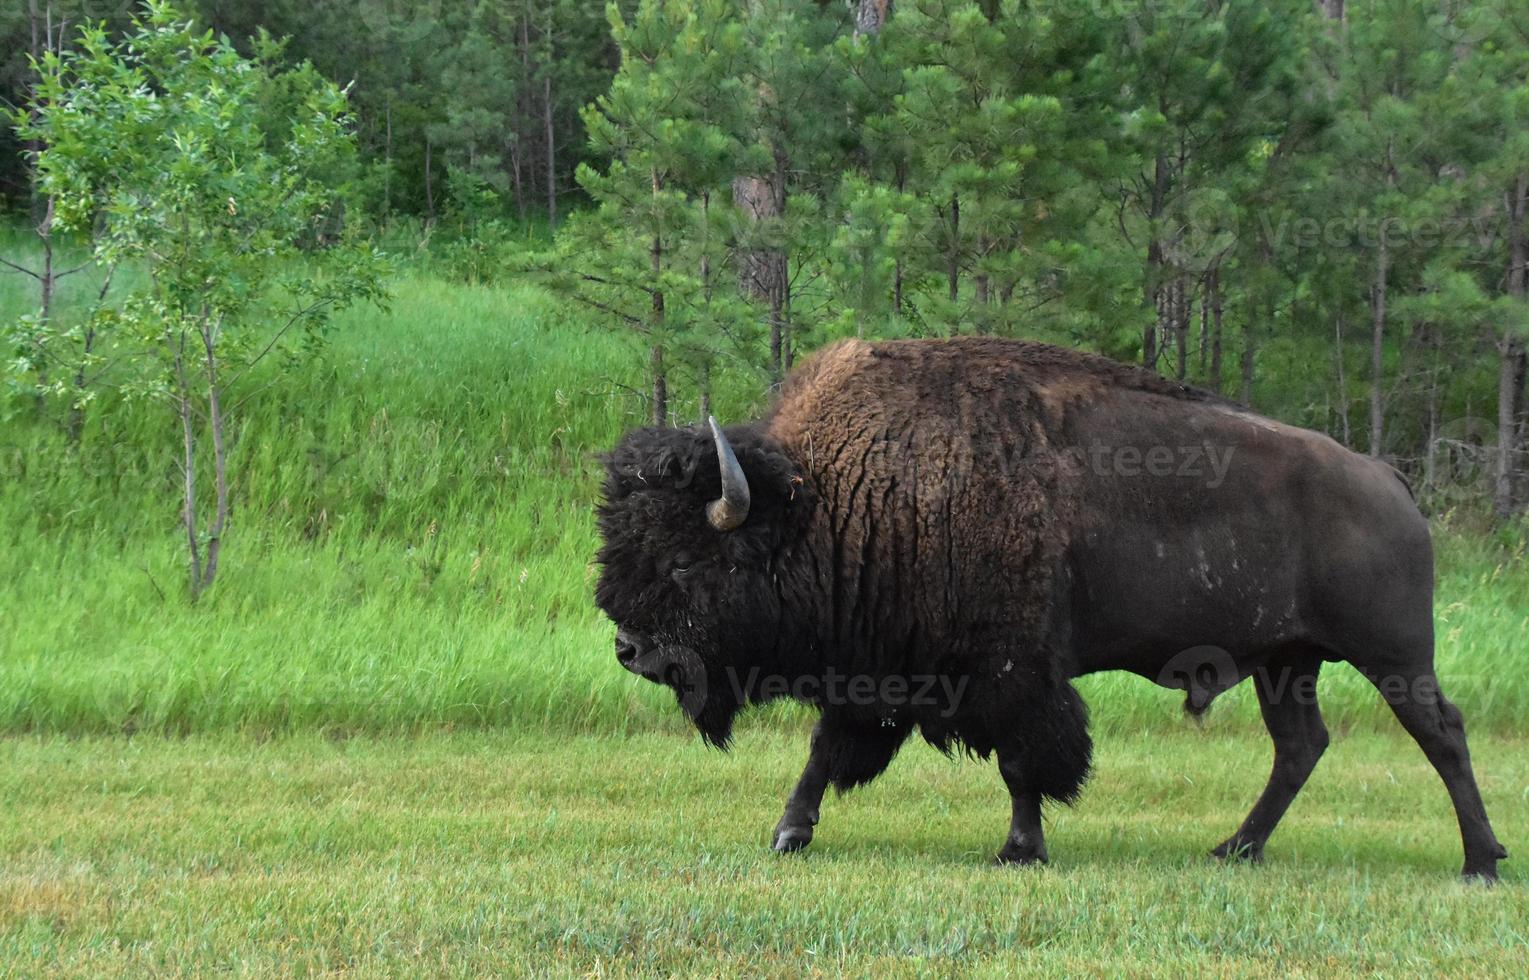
<point>928,508</point>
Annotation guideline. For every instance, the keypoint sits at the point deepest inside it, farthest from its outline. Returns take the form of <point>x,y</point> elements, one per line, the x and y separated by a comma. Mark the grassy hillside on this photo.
<point>411,548</point>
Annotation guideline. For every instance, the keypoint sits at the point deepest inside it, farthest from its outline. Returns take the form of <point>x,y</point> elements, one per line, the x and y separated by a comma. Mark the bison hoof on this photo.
<point>1485,875</point>
<point>1019,854</point>
<point>1484,872</point>
<point>1484,869</point>
<point>791,839</point>
<point>1236,849</point>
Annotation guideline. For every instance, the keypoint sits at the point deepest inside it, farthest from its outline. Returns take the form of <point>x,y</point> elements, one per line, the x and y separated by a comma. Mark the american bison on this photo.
<point>939,535</point>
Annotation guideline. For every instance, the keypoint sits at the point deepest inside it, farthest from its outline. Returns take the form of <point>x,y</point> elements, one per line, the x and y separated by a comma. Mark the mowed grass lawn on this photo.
<point>472,854</point>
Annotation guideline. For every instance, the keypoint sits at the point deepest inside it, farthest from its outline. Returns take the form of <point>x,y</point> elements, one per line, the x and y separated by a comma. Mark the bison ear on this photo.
<point>645,459</point>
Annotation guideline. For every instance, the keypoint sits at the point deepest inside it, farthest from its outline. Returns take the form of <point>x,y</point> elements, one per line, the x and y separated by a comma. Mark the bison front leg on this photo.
<point>844,753</point>
<point>1026,843</point>
<point>1048,758</point>
<point>794,831</point>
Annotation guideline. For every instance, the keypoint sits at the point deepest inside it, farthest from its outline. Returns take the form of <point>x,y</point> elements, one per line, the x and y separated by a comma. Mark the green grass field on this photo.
<point>393,738</point>
<point>495,854</point>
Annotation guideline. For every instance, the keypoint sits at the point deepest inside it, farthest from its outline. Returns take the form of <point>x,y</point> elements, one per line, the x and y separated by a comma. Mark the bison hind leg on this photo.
<point>1437,726</point>
<point>1287,698</point>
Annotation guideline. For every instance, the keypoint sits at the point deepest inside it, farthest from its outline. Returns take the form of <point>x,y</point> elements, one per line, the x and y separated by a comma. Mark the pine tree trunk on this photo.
<point>1155,261</point>
<point>753,196</point>
<point>953,254</point>
<point>981,290</point>
<point>656,370</point>
<point>870,15</point>
<point>1348,436</point>
<point>1249,352</point>
<point>516,181</point>
<point>387,155</point>
<point>1521,427</point>
<point>1149,335</point>
<point>1504,501</point>
<point>762,271</point>
<point>39,40</point>
<point>1205,325</point>
<point>897,273</point>
<point>1378,292</point>
<point>1510,353</point>
<point>548,127</point>
<point>1181,302</point>
<point>517,140</point>
<point>551,159</point>
<point>1214,302</point>
<point>660,382</point>
<point>1430,470</point>
<point>780,268</point>
<point>429,191</point>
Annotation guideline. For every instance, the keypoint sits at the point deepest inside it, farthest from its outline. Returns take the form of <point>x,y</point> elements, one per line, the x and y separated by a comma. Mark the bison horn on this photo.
<point>732,508</point>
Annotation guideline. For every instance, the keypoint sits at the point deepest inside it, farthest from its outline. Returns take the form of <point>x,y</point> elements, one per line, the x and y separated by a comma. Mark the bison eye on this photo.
<point>679,570</point>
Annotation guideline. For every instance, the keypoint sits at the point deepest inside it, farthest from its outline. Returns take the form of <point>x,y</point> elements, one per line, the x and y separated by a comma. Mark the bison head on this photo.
<point>695,531</point>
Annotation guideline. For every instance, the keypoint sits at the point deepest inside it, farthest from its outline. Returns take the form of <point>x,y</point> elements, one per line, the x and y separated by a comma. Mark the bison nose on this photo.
<point>628,648</point>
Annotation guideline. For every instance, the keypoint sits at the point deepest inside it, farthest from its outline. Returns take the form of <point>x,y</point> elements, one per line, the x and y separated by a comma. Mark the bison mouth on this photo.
<point>705,696</point>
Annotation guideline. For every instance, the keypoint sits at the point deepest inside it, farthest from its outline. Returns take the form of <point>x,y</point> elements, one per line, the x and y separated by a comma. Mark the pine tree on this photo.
<point>646,256</point>
<point>1484,108</point>
<point>1198,82</point>
<point>980,136</point>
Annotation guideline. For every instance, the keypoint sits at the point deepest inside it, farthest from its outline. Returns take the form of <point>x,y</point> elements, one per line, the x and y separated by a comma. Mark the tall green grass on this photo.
<point>411,547</point>
<point>411,544</point>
